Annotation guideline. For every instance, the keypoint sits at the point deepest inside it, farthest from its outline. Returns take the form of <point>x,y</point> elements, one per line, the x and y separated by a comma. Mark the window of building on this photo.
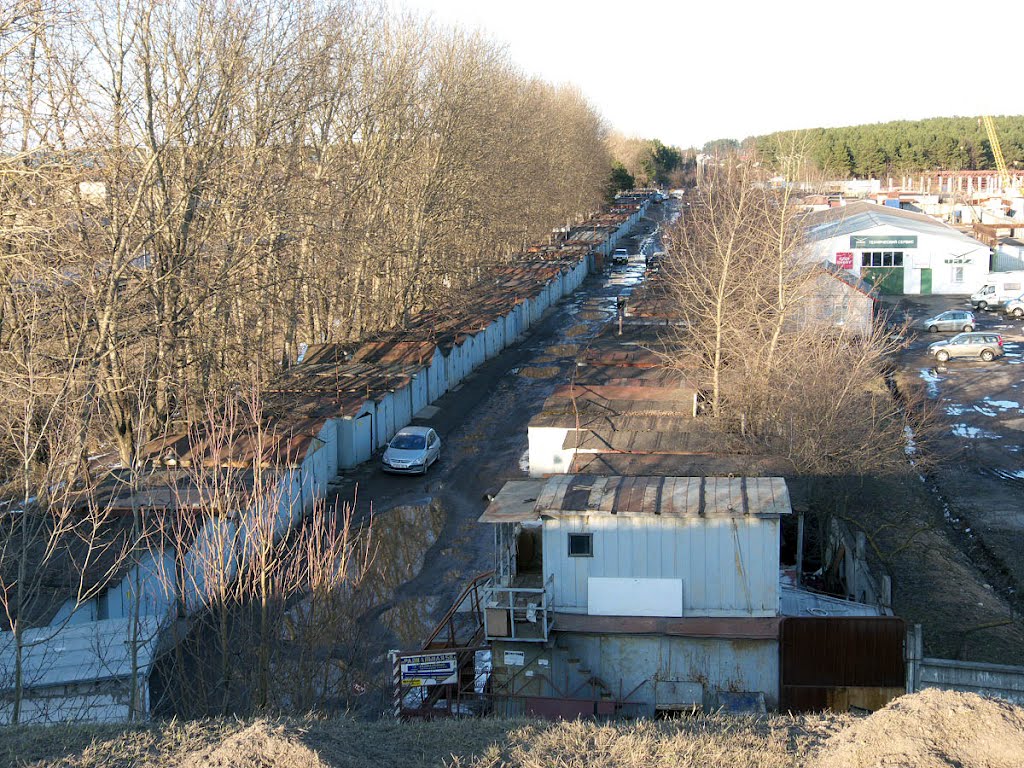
<point>958,274</point>
<point>581,545</point>
<point>881,259</point>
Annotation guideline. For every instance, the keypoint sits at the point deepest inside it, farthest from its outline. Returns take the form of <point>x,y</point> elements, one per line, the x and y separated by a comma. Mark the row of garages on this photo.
<point>335,408</point>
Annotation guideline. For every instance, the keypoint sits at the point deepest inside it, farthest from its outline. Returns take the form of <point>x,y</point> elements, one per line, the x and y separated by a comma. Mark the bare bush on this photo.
<point>806,383</point>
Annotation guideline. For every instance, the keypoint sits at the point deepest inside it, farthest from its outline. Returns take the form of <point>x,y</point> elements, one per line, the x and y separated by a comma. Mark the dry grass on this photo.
<point>540,372</point>
<point>702,742</point>
<point>930,729</point>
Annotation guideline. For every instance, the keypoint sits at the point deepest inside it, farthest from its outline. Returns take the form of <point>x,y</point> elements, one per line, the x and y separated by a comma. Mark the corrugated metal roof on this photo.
<point>849,278</point>
<point>693,497</point>
<point>79,653</point>
<point>660,440</point>
<point>861,215</point>
<point>682,465</point>
<point>801,602</point>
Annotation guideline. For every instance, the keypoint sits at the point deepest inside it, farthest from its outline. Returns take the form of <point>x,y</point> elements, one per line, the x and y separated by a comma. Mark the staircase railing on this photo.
<point>459,633</point>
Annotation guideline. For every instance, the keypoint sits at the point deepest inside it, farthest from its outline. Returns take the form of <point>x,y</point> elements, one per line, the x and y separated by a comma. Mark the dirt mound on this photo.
<point>540,372</point>
<point>932,729</point>
<point>261,745</point>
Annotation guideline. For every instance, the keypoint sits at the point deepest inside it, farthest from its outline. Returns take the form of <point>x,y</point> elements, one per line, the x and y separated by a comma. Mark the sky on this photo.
<point>688,72</point>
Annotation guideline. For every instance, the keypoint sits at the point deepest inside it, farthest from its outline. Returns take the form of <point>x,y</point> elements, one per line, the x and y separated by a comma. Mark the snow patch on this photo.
<point>1002,405</point>
<point>966,430</point>
<point>932,379</point>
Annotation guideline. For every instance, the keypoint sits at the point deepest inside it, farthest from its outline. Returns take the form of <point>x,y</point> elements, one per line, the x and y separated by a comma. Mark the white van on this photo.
<point>999,287</point>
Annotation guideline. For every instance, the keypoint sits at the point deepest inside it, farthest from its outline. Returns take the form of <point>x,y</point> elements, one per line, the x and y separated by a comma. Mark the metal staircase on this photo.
<point>459,635</point>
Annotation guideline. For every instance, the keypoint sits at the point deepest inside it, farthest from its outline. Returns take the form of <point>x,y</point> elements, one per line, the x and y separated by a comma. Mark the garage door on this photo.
<point>888,280</point>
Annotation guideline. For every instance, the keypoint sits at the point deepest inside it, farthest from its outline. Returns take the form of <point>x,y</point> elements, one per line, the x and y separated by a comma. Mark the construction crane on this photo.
<point>997,152</point>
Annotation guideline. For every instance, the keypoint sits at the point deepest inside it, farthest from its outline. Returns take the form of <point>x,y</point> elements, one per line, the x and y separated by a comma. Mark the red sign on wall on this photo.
<point>844,259</point>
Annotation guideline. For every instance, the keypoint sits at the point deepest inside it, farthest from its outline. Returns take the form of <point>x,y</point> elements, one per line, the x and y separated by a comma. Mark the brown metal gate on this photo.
<point>840,663</point>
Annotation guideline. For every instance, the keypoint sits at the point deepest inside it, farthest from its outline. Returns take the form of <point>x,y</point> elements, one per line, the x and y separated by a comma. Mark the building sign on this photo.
<point>844,260</point>
<point>883,241</point>
<point>430,669</point>
<point>515,658</point>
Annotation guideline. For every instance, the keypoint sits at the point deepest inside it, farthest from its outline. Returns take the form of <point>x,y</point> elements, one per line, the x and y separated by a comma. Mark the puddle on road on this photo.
<point>411,620</point>
<point>401,538</point>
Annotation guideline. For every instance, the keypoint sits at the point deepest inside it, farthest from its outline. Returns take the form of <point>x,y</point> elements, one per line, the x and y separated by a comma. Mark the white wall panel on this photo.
<point>608,596</point>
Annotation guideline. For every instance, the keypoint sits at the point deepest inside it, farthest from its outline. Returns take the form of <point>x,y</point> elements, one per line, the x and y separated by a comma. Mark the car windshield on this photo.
<point>409,442</point>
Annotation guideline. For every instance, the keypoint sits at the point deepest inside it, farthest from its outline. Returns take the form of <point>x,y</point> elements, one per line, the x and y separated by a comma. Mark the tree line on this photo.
<point>190,190</point>
<point>787,365</point>
<point>648,163</point>
<point>903,146</point>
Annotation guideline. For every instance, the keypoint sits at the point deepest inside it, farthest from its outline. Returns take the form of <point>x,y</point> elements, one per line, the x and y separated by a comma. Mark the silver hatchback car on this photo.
<point>951,320</point>
<point>987,346</point>
<point>412,451</point>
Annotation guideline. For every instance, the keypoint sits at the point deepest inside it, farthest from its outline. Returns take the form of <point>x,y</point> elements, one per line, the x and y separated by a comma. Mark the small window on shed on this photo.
<point>581,545</point>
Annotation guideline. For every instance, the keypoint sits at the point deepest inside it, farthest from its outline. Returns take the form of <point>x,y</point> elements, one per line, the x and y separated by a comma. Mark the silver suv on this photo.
<point>951,320</point>
<point>987,346</point>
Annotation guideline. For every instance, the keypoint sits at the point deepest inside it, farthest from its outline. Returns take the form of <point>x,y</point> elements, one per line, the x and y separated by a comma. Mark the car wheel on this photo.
<point>933,328</point>
<point>987,355</point>
<point>942,355</point>
<point>1018,313</point>
<point>968,328</point>
<point>983,305</point>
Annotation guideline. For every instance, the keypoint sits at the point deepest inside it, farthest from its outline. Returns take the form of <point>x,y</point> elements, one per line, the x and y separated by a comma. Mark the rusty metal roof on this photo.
<point>681,465</point>
<point>663,439</point>
<point>683,497</point>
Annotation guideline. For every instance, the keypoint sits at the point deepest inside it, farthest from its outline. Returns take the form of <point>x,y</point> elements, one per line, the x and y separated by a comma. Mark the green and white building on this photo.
<point>897,251</point>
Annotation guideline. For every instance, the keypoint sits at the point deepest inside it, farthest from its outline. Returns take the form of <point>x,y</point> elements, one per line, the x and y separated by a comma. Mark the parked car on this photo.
<point>1015,307</point>
<point>412,451</point>
<point>987,346</point>
<point>951,320</point>
<point>620,256</point>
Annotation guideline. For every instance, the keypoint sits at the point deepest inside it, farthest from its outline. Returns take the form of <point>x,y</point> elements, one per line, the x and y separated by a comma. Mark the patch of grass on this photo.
<point>704,742</point>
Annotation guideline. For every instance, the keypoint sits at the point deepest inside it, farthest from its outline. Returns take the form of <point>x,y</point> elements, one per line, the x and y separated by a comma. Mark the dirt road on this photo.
<point>428,541</point>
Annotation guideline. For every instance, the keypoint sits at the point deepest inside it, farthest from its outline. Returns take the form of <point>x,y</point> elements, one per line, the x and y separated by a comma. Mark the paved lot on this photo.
<point>982,407</point>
